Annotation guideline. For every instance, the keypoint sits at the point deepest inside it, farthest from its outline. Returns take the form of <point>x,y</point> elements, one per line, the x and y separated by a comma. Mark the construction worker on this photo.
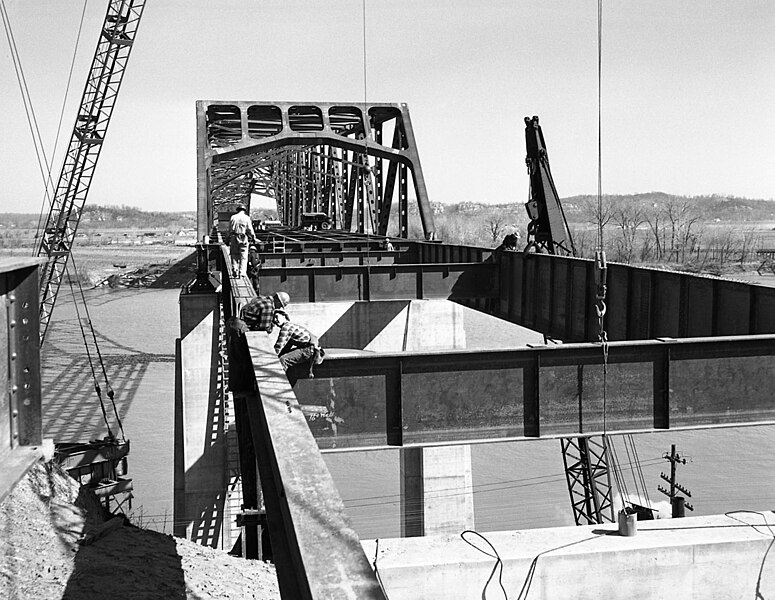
<point>240,234</point>
<point>254,264</point>
<point>295,344</point>
<point>509,244</point>
<point>258,314</point>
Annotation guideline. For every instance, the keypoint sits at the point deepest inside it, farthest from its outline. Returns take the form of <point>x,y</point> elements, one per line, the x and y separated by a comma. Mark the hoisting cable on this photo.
<point>600,261</point>
<point>367,189</point>
<point>32,122</point>
<point>59,124</point>
<point>109,388</point>
<point>637,469</point>
<point>601,268</point>
<point>88,354</point>
<point>37,139</point>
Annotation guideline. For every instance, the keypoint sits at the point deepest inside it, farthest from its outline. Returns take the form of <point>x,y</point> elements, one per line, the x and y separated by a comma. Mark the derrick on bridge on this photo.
<point>431,346</point>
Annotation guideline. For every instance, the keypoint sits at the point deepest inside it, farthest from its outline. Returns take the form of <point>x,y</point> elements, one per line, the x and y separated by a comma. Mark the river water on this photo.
<point>516,485</point>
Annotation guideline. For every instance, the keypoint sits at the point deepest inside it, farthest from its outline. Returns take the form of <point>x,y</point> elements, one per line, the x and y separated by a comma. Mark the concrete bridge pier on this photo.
<point>200,486</point>
<point>436,490</point>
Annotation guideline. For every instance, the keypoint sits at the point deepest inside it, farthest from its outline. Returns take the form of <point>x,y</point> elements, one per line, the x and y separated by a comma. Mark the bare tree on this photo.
<point>657,227</point>
<point>496,226</point>
<point>598,214</point>
<point>628,217</point>
<point>682,215</point>
<point>750,240</point>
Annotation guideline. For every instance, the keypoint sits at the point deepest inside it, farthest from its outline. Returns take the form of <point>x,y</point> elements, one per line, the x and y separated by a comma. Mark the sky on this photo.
<point>687,90</point>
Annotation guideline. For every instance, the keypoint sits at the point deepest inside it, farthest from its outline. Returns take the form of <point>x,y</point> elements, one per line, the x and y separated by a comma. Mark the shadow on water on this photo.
<point>71,407</point>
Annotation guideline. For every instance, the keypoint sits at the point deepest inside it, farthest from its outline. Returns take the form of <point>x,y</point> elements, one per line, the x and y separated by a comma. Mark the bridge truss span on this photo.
<point>357,163</point>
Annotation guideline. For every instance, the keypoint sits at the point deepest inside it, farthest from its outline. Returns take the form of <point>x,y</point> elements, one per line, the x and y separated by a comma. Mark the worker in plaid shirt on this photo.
<point>295,344</point>
<point>258,314</point>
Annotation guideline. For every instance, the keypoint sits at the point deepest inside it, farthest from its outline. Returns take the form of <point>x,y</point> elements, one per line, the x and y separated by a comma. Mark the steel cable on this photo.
<point>109,388</point>
<point>32,122</point>
<point>88,354</point>
<point>59,124</point>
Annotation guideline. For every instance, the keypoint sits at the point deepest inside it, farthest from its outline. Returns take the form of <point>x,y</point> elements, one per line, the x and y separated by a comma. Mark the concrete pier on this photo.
<point>200,449</point>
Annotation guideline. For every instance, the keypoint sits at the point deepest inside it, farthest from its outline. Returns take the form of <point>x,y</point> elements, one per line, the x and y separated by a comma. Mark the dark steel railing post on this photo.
<point>662,387</point>
<point>530,397</point>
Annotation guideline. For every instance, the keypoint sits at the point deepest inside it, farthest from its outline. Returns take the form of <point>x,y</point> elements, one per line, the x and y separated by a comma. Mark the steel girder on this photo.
<point>99,97</point>
<point>311,157</point>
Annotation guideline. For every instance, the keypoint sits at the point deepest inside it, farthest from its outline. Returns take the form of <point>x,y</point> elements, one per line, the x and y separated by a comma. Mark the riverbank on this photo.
<point>56,544</point>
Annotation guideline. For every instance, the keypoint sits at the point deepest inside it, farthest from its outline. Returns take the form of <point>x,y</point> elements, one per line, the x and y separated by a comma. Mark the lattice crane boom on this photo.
<point>97,102</point>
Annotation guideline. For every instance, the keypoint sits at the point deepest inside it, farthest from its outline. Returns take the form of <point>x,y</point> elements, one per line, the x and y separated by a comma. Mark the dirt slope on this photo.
<point>42,521</point>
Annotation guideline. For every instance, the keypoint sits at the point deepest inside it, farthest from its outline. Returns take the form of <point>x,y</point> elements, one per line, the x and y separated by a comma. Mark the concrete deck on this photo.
<point>724,556</point>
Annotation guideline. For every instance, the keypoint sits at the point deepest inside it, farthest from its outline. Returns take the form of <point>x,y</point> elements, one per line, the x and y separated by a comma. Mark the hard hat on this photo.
<point>283,298</point>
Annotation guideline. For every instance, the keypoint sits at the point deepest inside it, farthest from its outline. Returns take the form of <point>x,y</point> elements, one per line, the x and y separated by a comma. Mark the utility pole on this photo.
<point>677,503</point>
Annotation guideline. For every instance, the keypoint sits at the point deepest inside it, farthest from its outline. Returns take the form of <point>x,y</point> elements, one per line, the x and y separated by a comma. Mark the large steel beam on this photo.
<point>556,295</point>
<point>20,394</point>
<point>316,551</point>
<point>456,281</point>
<point>462,396</point>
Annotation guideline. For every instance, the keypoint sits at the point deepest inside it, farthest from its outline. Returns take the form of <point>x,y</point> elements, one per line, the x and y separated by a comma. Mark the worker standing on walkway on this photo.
<point>295,344</point>
<point>259,313</point>
<point>254,264</point>
<point>240,235</point>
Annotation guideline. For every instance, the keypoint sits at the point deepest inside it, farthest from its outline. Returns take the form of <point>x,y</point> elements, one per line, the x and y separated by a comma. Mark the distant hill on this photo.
<point>710,208</point>
<point>111,217</point>
<point>716,206</point>
<point>730,209</point>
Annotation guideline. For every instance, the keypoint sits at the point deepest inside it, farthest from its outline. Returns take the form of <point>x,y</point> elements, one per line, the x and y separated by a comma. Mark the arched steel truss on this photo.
<point>312,157</point>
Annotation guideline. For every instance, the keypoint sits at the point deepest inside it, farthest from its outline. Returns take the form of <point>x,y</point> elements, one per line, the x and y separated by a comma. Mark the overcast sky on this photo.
<point>688,90</point>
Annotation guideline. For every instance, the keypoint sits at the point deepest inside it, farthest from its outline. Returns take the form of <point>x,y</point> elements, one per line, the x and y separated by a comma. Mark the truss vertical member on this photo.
<point>548,229</point>
<point>99,97</point>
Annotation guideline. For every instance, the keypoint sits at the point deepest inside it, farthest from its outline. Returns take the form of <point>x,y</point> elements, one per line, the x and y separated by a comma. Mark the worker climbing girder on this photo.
<point>312,157</point>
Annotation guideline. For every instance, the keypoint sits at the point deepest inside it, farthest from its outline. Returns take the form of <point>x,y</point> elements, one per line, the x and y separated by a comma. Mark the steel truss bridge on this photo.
<point>685,351</point>
<point>357,163</point>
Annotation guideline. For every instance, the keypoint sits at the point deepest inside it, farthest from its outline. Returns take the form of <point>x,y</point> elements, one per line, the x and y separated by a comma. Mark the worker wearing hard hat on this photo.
<point>240,234</point>
<point>258,314</point>
<point>296,345</point>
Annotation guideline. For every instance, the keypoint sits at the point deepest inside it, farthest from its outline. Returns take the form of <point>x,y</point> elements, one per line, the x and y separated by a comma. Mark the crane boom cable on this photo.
<point>109,388</point>
<point>46,196</point>
<point>40,154</point>
<point>601,267</point>
<point>599,123</point>
<point>638,471</point>
<point>88,354</point>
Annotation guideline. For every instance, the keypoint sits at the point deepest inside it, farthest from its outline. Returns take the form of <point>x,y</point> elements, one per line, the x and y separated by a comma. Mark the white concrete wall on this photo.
<point>717,557</point>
